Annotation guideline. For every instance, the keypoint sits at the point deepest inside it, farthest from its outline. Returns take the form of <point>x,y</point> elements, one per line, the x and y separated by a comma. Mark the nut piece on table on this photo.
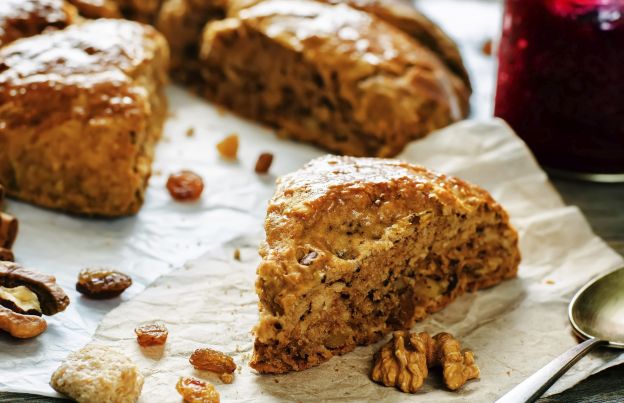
<point>6,255</point>
<point>206,359</point>
<point>8,230</point>
<point>228,147</point>
<point>98,373</point>
<point>153,334</point>
<point>404,361</point>
<point>264,163</point>
<point>185,186</point>
<point>197,391</point>
<point>52,298</point>
<point>102,283</point>
<point>21,326</point>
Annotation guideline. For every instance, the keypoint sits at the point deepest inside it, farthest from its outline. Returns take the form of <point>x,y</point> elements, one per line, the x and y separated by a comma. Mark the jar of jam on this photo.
<point>561,83</point>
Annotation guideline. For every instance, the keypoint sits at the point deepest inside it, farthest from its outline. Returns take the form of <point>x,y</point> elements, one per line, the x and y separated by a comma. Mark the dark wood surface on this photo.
<point>603,205</point>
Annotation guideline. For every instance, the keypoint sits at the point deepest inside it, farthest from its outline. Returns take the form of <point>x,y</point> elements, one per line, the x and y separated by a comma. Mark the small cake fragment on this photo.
<point>98,373</point>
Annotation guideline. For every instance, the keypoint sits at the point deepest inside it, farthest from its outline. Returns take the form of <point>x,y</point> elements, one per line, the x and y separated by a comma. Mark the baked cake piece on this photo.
<point>23,18</point>
<point>330,75</point>
<point>145,11</point>
<point>358,247</point>
<point>182,22</point>
<point>80,112</point>
<point>403,15</point>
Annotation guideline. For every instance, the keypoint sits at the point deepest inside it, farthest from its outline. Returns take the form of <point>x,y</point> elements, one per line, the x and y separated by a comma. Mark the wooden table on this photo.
<point>603,205</point>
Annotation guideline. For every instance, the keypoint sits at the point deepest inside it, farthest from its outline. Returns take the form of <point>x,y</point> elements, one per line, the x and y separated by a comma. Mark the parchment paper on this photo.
<point>514,328</point>
<point>166,234</point>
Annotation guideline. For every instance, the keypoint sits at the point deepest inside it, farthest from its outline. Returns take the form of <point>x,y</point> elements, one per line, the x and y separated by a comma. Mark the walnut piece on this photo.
<point>206,359</point>
<point>228,147</point>
<point>21,300</point>
<point>102,283</point>
<point>197,391</point>
<point>153,334</point>
<point>8,230</point>
<point>404,362</point>
<point>51,297</point>
<point>20,325</point>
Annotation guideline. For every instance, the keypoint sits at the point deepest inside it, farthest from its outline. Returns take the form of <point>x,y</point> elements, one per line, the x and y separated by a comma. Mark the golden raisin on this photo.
<point>153,334</point>
<point>185,186</point>
<point>228,147</point>
<point>264,163</point>
<point>206,359</point>
<point>197,391</point>
<point>486,49</point>
<point>102,283</point>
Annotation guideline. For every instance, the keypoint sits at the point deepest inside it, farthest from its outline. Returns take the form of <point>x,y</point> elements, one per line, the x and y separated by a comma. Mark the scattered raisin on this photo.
<point>102,283</point>
<point>153,334</point>
<point>228,147</point>
<point>185,186</point>
<point>206,359</point>
<point>197,391</point>
<point>264,163</point>
<point>486,49</point>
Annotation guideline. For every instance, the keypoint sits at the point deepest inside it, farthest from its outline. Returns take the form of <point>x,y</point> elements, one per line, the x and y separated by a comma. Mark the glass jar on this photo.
<point>561,83</point>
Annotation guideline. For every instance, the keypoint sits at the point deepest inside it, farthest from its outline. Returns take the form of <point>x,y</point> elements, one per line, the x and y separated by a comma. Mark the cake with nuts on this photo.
<point>358,247</point>
<point>81,110</point>
<point>330,75</point>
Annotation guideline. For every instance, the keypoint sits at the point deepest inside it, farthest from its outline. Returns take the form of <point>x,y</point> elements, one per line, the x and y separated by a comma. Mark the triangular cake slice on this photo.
<point>358,247</point>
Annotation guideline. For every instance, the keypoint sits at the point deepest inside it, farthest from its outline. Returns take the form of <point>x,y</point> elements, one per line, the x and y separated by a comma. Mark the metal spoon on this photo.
<point>597,314</point>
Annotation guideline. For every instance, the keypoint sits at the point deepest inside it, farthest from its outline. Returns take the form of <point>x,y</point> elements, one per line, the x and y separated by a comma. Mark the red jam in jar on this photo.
<point>561,82</point>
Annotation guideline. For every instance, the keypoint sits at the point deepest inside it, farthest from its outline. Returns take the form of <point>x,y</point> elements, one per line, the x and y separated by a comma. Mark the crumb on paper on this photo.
<point>237,254</point>
<point>221,110</point>
<point>190,132</point>
<point>550,282</point>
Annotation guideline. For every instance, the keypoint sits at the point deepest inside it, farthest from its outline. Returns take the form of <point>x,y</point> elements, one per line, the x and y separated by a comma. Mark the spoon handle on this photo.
<point>535,385</point>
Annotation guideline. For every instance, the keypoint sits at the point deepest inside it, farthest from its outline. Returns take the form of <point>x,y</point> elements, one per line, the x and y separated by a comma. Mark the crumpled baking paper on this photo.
<point>513,328</point>
<point>166,234</point>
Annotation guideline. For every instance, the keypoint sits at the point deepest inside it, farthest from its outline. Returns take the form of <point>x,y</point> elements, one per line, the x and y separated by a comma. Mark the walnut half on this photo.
<point>404,362</point>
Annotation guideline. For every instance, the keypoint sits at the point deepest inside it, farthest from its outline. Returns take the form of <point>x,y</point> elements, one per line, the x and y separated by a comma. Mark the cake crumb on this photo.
<point>550,282</point>
<point>486,49</point>
<point>237,255</point>
<point>190,132</point>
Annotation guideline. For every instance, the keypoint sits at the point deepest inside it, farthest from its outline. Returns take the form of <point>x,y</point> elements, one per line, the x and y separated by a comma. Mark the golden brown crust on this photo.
<point>97,8</point>
<point>81,110</point>
<point>23,18</point>
<point>357,247</point>
<point>402,15</point>
<point>350,83</point>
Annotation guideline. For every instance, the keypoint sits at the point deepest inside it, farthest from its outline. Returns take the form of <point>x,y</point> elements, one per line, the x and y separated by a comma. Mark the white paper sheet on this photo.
<point>513,328</point>
<point>166,234</point>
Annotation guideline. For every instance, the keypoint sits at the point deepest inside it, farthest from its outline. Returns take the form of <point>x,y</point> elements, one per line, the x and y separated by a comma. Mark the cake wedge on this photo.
<point>81,110</point>
<point>358,247</point>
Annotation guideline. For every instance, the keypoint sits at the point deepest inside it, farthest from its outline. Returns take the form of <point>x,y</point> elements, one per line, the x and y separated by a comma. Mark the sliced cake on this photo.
<point>80,112</point>
<point>358,247</point>
<point>23,18</point>
<point>330,75</point>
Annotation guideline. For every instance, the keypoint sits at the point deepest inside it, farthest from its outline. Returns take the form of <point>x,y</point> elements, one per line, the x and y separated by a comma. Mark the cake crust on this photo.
<point>80,112</point>
<point>347,81</point>
<point>23,18</point>
<point>358,247</point>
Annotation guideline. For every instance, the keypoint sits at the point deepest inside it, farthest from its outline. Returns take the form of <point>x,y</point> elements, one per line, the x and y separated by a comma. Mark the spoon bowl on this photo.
<point>597,310</point>
<point>597,314</point>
